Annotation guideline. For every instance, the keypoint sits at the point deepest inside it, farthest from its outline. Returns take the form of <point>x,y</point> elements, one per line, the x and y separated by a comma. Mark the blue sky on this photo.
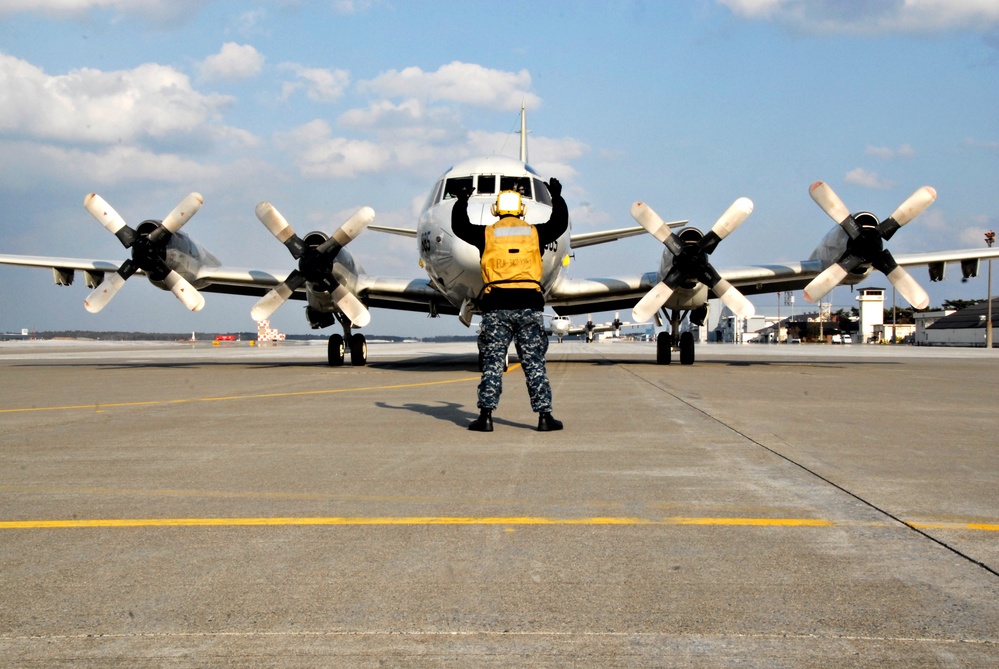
<point>323,107</point>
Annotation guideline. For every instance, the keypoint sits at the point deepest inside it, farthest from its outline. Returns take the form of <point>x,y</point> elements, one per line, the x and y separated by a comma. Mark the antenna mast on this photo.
<point>523,133</point>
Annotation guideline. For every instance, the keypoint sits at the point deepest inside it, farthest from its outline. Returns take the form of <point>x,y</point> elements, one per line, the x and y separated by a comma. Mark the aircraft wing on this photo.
<point>374,291</point>
<point>590,238</point>
<point>235,280</point>
<point>402,232</point>
<point>575,241</point>
<point>935,257</point>
<point>579,296</point>
<point>61,263</point>
<point>387,293</point>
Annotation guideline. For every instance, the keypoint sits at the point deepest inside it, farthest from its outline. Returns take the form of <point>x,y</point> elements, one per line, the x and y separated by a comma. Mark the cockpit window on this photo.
<point>455,185</point>
<point>520,184</point>
<point>435,194</point>
<point>487,183</point>
<point>541,193</point>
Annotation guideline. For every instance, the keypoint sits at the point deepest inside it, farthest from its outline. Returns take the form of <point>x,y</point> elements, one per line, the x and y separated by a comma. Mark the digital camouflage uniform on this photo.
<point>526,328</point>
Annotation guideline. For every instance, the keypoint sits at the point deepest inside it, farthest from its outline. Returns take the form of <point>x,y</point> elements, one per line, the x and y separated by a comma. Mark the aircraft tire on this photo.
<point>687,348</point>
<point>335,350</point>
<point>664,348</point>
<point>358,350</point>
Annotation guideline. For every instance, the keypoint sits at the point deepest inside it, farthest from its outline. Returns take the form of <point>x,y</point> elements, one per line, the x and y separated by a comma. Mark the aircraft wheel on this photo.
<point>335,350</point>
<point>687,348</point>
<point>358,350</point>
<point>664,348</point>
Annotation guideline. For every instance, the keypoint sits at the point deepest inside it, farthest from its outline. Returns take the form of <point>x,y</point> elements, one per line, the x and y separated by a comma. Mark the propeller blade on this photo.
<point>651,302</point>
<point>733,299</point>
<point>834,207</point>
<point>733,217</point>
<point>184,291</point>
<point>277,296</point>
<point>104,213</point>
<point>183,212</point>
<point>908,288</point>
<point>913,206</point>
<point>280,228</point>
<point>349,231</point>
<point>351,306</point>
<point>650,220</point>
<point>824,282</point>
<point>100,296</point>
<point>270,302</point>
<point>109,218</point>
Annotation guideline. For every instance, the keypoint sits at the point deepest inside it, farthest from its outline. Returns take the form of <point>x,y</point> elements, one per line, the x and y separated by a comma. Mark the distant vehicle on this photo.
<point>225,338</point>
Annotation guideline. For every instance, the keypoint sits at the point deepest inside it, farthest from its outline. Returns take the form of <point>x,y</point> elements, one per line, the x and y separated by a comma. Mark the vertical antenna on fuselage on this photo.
<point>523,133</point>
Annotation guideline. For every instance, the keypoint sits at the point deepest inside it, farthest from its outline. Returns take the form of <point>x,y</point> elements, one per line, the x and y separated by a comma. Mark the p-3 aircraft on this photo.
<point>336,289</point>
<point>561,327</point>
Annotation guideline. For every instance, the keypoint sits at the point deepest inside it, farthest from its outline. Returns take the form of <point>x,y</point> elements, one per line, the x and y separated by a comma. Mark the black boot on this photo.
<point>548,424</point>
<point>484,423</point>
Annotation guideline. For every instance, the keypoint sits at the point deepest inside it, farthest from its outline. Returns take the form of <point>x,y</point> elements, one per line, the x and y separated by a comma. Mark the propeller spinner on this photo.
<point>315,264</point>
<point>866,243</point>
<point>148,252</point>
<point>690,260</point>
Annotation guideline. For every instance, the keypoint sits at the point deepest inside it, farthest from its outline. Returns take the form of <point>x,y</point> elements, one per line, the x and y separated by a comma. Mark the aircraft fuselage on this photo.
<point>452,264</point>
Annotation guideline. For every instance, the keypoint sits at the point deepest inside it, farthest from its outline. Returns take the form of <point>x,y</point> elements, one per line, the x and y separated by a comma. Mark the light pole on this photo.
<point>990,238</point>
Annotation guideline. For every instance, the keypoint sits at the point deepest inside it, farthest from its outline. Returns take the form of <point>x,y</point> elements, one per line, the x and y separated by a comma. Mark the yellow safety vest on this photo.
<point>511,257</point>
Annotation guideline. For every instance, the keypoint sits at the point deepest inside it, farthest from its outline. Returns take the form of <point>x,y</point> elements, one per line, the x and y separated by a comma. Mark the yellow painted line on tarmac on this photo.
<point>980,527</point>
<point>230,398</point>
<point>506,521</point>
<point>402,520</point>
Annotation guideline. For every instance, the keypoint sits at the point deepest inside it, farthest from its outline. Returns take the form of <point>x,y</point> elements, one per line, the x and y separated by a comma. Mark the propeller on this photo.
<point>866,243</point>
<point>690,260</point>
<point>315,264</point>
<point>148,252</point>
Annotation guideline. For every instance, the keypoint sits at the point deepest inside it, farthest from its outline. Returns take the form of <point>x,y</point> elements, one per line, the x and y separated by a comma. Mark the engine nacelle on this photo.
<point>831,249</point>
<point>690,294</point>
<point>182,254</point>
<point>344,269</point>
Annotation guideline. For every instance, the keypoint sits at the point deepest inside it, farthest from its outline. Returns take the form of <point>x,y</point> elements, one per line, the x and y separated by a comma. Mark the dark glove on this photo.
<point>555,187</point>
<point>463,193</point>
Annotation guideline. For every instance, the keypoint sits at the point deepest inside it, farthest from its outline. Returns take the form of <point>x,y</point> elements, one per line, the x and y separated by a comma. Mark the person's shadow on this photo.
<point>451,412</point>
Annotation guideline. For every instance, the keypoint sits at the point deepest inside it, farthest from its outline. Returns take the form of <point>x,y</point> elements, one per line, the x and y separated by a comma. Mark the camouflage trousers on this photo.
<point>526,328</point>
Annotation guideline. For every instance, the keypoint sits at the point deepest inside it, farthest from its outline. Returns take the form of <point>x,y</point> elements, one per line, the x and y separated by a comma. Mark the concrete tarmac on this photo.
<point>178,505</point>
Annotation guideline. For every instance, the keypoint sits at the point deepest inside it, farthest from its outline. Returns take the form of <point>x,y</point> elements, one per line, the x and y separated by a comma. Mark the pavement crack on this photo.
<point>811,472</point>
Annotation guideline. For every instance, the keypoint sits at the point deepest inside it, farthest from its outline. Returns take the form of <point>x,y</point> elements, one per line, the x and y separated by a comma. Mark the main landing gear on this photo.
<point>665,341</point>
<point>338,345</point>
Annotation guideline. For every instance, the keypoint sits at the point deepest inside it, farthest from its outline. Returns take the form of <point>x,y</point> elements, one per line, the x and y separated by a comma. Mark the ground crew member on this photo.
<point>512,301</point>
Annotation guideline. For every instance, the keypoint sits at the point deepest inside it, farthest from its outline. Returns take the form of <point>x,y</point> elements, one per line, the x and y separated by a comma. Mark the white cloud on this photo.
<point>889,153</point>
<point>111,165</point>
<point>233,63</point>
<point>980,144</point>
<point>164,12</point>
<point>466,83</point>
<point>911,16</point>
<point>867,179</point>
<point>352,6</point>
<point>318,154</point>
<point>320,85</point>
<point>87,105</point>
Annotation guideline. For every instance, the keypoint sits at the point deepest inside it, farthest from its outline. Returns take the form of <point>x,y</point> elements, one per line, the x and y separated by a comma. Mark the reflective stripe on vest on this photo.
<point>511,257</point>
